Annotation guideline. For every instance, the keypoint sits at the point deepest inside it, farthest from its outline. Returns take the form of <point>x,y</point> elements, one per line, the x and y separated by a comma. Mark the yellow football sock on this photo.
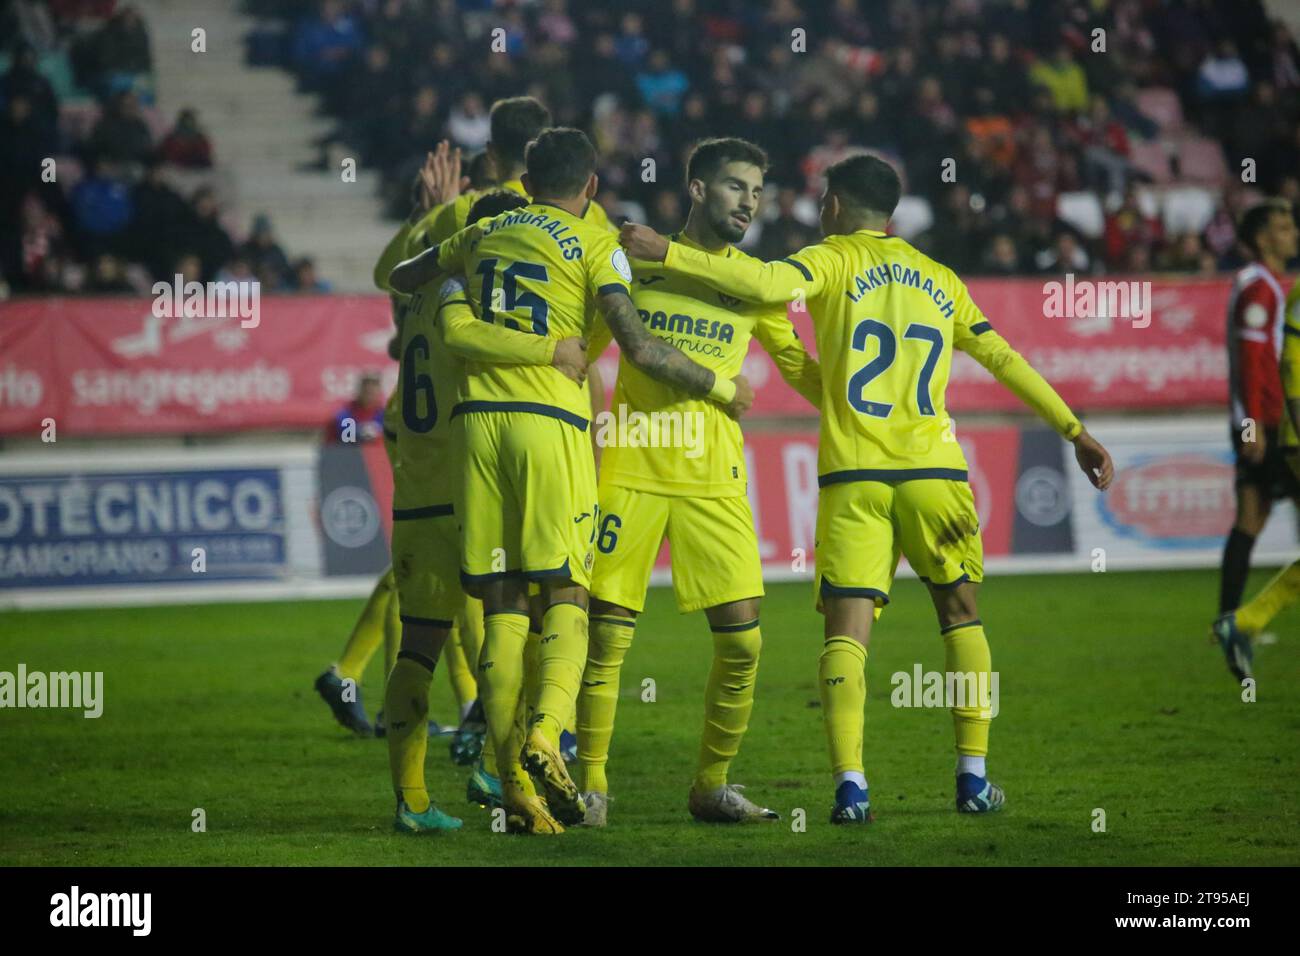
<point>501,683</point>
<point>842,677</point>
<point>369,629</point>
<point>966,651</point>
<point>559,667</point>
<point>392,631</point>
<point>462,681</point>
<point>610,638</point>
<point>406,710</point>
<point>1279,593</point>
<point>728,701</point>
<point>489,756</point>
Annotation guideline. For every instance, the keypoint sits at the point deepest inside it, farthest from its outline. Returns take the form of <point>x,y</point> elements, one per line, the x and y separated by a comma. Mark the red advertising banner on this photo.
<point>110,366</point>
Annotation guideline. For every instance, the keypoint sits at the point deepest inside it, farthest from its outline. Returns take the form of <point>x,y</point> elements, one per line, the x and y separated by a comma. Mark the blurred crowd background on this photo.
<point>1062,158</point>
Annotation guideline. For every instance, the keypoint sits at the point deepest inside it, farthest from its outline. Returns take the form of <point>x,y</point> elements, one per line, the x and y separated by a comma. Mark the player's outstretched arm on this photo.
<point>978,340</point>
<point>661,361</point>
<point>467,336</point>
<point>410,274</point>
<point>768,283</point>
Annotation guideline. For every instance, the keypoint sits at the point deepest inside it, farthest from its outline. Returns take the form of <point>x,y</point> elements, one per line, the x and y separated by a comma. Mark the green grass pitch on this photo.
<point>1111,699</point>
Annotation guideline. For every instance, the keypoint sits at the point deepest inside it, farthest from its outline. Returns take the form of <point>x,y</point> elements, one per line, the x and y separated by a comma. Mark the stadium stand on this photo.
<point>1047,134</point>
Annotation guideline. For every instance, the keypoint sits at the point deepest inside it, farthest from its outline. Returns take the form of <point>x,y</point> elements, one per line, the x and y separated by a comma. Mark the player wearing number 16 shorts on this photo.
<point>892,477</point>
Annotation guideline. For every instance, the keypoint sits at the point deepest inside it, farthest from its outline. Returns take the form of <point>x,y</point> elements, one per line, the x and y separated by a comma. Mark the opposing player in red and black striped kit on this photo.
<point>1255,329</point>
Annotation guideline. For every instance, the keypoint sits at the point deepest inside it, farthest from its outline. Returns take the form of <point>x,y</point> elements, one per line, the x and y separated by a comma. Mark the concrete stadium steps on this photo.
<point>262,132</point>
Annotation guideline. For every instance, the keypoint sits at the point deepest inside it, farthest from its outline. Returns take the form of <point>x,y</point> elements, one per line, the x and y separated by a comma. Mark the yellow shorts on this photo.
<point>426,566</point>
<point>712,542</point>
<point>528,501</point>
<point>862,526</point>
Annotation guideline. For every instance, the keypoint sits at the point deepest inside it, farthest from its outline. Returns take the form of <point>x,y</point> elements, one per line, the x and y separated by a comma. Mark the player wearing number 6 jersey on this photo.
<point>891,475</point>
<point>691,492</point>
<point>529,480</point>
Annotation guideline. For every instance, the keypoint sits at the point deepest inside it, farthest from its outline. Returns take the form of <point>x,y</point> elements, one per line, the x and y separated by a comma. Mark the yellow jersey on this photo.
<point>442,222</point>
<point>429,382</point>
<point>661,440</point>
<point>887,318</point>
<point>1290,366</point>
<point>426,381</point>
<point>393,253</point>
<point>537,269</point>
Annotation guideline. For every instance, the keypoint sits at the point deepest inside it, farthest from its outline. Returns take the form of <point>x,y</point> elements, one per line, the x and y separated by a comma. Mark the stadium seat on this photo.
<point>1083,211</point>
<point>912,217</point>
<point>1187,209</point>
<point>1201,161</point>
<point>1152,159</point>
<point>1160,105</point>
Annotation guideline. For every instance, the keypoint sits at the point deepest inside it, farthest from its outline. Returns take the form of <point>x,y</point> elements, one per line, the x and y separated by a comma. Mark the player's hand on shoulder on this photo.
<point>571,358</point>
<point>642,242</point>
<point>1094,460</point>
<point>744,399</point>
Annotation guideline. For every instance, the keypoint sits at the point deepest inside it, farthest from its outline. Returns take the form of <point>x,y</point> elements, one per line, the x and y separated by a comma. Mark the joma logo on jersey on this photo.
<point>832,681</point>
<point>700,328</point>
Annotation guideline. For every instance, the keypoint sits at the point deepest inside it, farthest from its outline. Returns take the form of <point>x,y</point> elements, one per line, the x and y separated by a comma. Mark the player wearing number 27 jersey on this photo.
<point>891,474</point>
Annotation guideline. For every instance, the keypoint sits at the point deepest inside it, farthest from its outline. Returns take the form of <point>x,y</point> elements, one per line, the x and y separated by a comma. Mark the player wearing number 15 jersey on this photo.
<point>892,477</point>
<point>529,488</point>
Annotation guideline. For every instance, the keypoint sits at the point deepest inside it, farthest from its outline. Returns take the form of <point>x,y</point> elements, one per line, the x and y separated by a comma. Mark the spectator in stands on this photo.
<point>1063,78</point>
<point>101,206</point>
<point>204,236</point>
<point>25,80</point>
<point>361,419</point>
<point>1105,146</point>
<point>468,126</point>
<point>1284,59</point>
<point>108,276</point>
<point>322,45</point>
<point>237,269</point>
<point>25,142</point>
<point>189,267</point>
<point>1128,226</point>
<point>1065,254</point>
<point>786,233</point>
<point>305,278</point>
<point>1001,257</point>
<point>631,46</point>
<point>662,85</point>
<point>187,145</point>
<point>1183,254</point>
<point>122,135</point>
<point>158,227</point>
<point>265,255</point>
<point>111,58</point>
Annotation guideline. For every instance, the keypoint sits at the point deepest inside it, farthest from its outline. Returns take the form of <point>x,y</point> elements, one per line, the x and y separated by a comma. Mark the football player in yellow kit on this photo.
<point>426,546</point>
<point>892,478</point>
<point>529,491</point>
<point>686,481</point>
